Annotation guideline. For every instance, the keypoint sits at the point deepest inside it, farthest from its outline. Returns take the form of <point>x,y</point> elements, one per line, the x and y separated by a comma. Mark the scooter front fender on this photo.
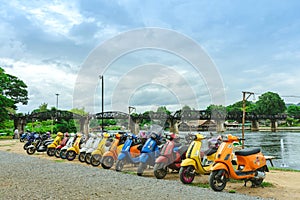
<point>31,146</point>
<point>52,145</point>
<point>144,157</point>
<point>121,156</point>
<point>188,162</point>
<point>219,166</point>
<point>96,152</point>
<point>161,159</point>
<point>108,153</point>
<point>71,149</point>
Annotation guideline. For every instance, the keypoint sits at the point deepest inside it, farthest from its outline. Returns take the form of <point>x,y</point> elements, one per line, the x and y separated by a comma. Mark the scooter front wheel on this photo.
<point>56,153</point>
<point>81,157</point>
<point>63,153</point>
<point>119,165</point>
<point>51,151</point>
<point>160,171</point>
<point>107,162</point>
<point>187,174</point>
<point>95,160</point>
<point>30,150</point>
<point>25,146</point>
<point>141,168</point>
<point>87,158</point>
<point>218,180</point>
<point>71,155</point>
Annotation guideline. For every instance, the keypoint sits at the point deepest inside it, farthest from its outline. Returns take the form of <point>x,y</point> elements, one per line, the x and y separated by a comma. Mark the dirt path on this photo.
<point>286,185</point>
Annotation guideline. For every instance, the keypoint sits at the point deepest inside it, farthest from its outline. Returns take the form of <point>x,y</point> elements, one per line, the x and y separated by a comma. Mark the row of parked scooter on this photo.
<point>164,153</point>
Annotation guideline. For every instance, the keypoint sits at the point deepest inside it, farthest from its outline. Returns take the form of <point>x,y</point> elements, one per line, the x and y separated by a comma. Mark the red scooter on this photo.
<point>170,157</point>
<point>62,143</point>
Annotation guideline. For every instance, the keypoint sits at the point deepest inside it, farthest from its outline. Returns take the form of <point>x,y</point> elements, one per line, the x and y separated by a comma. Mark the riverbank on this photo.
<point>284,184</point>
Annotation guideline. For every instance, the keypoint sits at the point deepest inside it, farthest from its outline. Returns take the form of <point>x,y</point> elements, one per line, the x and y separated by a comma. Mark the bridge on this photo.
<point>134,119</point>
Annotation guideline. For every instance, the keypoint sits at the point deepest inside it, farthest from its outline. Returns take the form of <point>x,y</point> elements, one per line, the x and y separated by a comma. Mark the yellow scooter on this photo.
<point>75,149</point>
<point>51,147</point>
<point>197,162</point>
<point>101,149</point>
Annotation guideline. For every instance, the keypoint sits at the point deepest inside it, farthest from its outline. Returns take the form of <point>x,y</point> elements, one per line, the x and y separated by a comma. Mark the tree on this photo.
<point>42,108</point>
<point>293,110</point>
<point>79,111</point>
<point>236,109</point>
<point>163,109</point>
<point>216,110</point>
<point>12,92</point>
<point>270,103</point>
<point>186,108</point>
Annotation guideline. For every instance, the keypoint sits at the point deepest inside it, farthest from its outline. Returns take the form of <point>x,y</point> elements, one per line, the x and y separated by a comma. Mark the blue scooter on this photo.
<point>149,152</point>
<point>31,137</point>
<point>129,153</point>
<point>23,136</point>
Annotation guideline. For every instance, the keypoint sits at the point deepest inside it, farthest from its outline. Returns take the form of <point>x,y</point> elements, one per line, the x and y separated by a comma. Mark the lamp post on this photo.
<point>57,100</point>
<point>55,118</point>
<point>244,115</point>
<point>102,97</point>
<point>130,109</point>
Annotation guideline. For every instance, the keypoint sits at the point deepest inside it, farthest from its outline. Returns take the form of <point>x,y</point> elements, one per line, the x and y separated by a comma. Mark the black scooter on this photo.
<point>39,145</point>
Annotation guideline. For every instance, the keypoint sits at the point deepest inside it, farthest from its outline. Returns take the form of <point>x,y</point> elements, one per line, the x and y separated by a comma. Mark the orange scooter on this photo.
<point>109,157</point>
<point>251,165</point>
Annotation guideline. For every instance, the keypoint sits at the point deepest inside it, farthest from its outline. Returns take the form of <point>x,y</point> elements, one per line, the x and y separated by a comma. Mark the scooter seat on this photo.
<point>210,151</point>
<point>182,149</point>
<point>247,152</point>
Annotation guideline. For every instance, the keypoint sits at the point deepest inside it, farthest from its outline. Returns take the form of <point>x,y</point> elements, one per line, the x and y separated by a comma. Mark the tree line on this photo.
<point>13,91</point>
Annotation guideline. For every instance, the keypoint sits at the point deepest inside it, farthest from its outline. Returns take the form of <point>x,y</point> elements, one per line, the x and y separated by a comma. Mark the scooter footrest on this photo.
<point>247,152</point>
<point>241,173</point>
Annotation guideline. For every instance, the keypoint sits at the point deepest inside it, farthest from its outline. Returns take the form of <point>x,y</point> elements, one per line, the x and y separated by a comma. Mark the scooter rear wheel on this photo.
<point>218,180</point>
<point>160,171</point>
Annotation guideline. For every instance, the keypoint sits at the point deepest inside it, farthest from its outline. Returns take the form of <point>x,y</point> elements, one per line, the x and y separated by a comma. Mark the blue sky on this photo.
<point>254,45</point>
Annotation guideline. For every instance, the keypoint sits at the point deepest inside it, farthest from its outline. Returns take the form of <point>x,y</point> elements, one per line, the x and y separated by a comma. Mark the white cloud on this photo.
<point>54,17</point>
<point>43,81</point>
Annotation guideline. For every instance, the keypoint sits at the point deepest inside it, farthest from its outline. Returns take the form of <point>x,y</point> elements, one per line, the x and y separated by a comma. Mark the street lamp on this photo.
<point>102,102</point>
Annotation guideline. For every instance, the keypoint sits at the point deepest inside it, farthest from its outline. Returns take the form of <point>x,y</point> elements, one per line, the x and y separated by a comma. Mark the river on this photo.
<point>270,144</point>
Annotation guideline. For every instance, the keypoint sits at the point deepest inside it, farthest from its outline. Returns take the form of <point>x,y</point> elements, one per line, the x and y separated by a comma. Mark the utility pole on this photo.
<point>102,102</point>
<point>244,115</point>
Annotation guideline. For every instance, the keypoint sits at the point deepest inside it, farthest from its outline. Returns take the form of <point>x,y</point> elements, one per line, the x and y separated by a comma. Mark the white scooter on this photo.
<point>63,151</point>
<point>88,144</point>
<point>88,153</point>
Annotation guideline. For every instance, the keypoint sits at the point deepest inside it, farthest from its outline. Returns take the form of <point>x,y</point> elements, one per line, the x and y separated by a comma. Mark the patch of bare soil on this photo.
<point>284,185</point>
